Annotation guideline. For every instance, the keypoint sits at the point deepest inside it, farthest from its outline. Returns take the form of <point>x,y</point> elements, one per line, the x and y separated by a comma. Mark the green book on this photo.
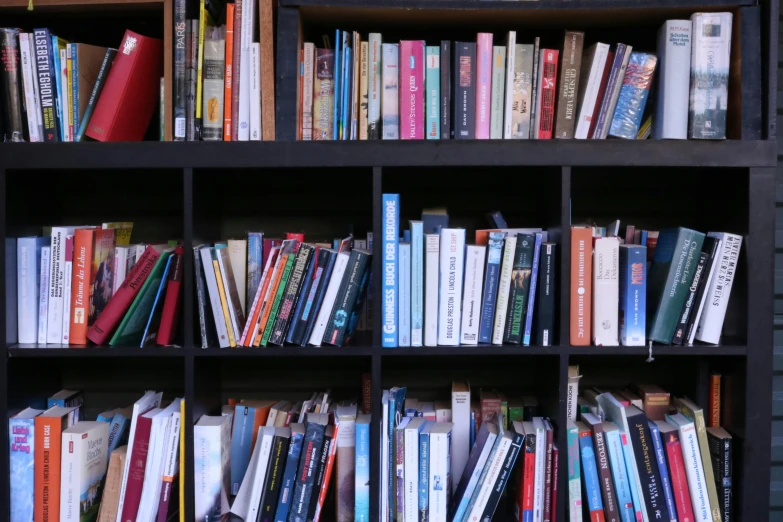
<point>131,329</point>
<point>574,472</point>
<point>671,273</point>
<point>289,263</point>
<point>516,410</point>
<point>520,287</point>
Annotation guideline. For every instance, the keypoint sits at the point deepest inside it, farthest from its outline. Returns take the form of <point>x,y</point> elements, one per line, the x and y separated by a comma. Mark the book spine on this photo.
<point>364,90</point>
<point>606,485</point>
<point>647,467</point>
<point>374,87</point>
<point>297,324</point>
<point>432,84</point>
<point>710,60</point>
<point>302,261</point>
<point>11,80</point>
<point>404,285</point>
<point>633,96</point>
<point>327,299</point>
<point>180,81</point>
<point>547,94</point>
<point>391,210</point>
<point>236,67</point>
<point>312,306</point>
<point>452,260</point>
<point>347,305</point>
<point>614,84</point>
<point>614,448</point>
<point>498,89</point>
<point>528,471</point>
<point>255,91</point>
<point>135,476</point>
<point>633,286</point>
<point>274,307</point>
<point>432,260</point>
<point>605,291</point>
<point>464,96</point>
<point>324,96</point>
<point>445,90</point>
<point>504,287</point>
<point>713,248</point>
<point>589,88</point>
<point>46,80</point>
<point>713,418</point>
<point>679,479</point>
<point>411,89</point>
<point>662,469</point>
<point>308,79</point>
<point>440,475</point>
<point>191,57</point>
<point>362,476</point>
<point>704,449</point>
<point>508,84</point>
<point>494,256</point>
<point>54,326</point>
<point>390,88</point>
<point>345,86</point>
<point>67,289</point>
<point>28,79</point>
<point>595,506</point>
<point>547,508</point>
<point>581,285</point>
<point>68,68</point>
<point>100,81</point>
<point>399,466</point>
<point>674,53</point>
<point>312,447</point>
<point>43,301</point>
<point>57,73</point>
<point>531,301</point>
<point>213,89</point>
<point>546,295</point>
<point>411,481</point>
<point>75,96</point>
<point>569,84</point>
<point>417,283</point>
<point>483,85</point>
<point>245,71</point>
<point>214,296</point>
<point>471,305</point>
<point>555,481</point>
<point>289,478</point>
<point>320,474</point>
<point>520,288</point>
<point>27,281</point>
<point>711,323</point>
<point>695,472</point>
<point>235,316</point>
<point>22,445</point>
<point>534,99</point>
<point>681,329</point>
<point>522,101</point>
<point>574,476</point>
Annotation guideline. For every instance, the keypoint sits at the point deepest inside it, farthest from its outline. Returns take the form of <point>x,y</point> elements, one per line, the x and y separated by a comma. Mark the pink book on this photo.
<point>412,90</point>
<point>483,85</point>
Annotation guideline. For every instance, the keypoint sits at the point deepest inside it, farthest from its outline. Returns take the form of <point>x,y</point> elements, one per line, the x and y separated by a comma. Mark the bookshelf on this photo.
<point>203,191</point>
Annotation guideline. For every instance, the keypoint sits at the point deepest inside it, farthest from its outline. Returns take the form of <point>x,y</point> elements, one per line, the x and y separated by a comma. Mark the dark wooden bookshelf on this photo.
<point>202,192</point>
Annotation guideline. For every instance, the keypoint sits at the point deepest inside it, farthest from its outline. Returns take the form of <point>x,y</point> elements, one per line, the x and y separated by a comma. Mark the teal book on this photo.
<point>574,474</point>
<point>131,330</point>
<point>498,92</point>
<point>622,484</point>
<point>432,97</point>
<point>21,439</point>
<point>118,429</point>
<point>151,330</point>
<point>362,473</point>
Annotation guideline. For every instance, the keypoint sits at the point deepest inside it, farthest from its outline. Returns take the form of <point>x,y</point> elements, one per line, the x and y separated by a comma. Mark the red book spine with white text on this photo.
<point>327,474</point>
<point>483,85</point>
<point>80,284</point>
<point>122,299</point>
<point>547,93</point>
<point>228,76</point>
<point>548,474</point>
<point>527,484</point>
<point>141,445</point>
<point>131,92</point>
<point>679,480</point>
<point>411,87</point>
<point>169,318</point>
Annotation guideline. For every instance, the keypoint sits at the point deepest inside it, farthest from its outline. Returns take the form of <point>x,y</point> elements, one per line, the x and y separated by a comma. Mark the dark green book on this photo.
<point>302,261</point>
<point>347,296</point>
<point>278,298</point>
<point>520,287</point>
<point>671,273</point>
<point>103,73</point>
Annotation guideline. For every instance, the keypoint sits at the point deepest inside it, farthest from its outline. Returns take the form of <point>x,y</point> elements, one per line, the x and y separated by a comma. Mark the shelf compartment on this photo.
<point>482,350</point>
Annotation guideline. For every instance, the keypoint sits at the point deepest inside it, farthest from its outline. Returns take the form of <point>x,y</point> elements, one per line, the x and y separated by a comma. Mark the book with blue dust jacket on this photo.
<point>633,96</point>
<point>391,239</point>
<point>633,294</point>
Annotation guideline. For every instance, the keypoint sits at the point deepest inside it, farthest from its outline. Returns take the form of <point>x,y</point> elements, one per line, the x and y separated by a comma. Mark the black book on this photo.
<point>464,92</point>
<point>10,83</point>
<point>274,475</point>
<point>520,288</point>
<point>312,445</point>
<point>191,60</point>
<point>445,90</point>
<point>690,300</point>
<point>358,306</point>
<point>647,464</point>
<point>482,439</point>
<point>205,318</point>
<point>720,442</point>
<point>46,77</point>
<point>546,294</point>
<point>320,474</point>
<point>347,296</point>
<point>290,294</point>
<point>711,246</point>
<point>505,473</point>
<point>180,63</point>
<point>301,300</point>
<point>316,296</point>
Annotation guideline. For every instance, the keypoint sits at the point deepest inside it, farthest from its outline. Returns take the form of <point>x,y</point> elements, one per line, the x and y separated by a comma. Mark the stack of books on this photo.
<point>358,90</point>
<point>615,301</point>
<point>260,291</point>
<point>438,291</point>
<point>77,284</point>
<point>72,469</point>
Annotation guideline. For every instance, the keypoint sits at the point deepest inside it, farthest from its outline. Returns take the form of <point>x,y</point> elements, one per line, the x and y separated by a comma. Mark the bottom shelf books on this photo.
<point>271,460</point>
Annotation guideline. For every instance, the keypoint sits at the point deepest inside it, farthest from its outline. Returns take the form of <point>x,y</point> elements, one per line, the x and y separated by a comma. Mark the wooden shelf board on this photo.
<point>50,5</point>
<point>521,5</point>
<point>287,351</point>
<point>59,350</point>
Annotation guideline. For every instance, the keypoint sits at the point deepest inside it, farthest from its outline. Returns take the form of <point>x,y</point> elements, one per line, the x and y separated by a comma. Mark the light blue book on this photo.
<point>289,473</point>
<point>663,469</point>
<point>21,439</point>
<point>424,470</point>
<point>391,227</point>
<point>622,486</point>
<point>11,313</point>
<point>417,283</point>
<point>28,267</point>
<point>633,294</point>
<point>494,257</point>
<point>151,330</point>
<point>347,91</point>
<point>404,269</point>
<point>255,241</point>
<point>590,471</point>
<point>118,428</point>
<point>531,299</point>
<point>362,473</point>
<point>106,416</point>
<point>75,85</point>
<point>241,444</point>
<point>432,86</point>
<point>337,92</point>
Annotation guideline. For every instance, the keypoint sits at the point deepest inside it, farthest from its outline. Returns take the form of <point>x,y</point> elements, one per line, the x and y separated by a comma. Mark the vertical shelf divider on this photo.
<point>377,388</point>
<point>565,256</point>
<point>5,496</point>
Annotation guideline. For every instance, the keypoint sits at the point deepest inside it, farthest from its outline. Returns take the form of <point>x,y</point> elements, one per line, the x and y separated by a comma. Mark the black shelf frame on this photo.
<point>754,157</point>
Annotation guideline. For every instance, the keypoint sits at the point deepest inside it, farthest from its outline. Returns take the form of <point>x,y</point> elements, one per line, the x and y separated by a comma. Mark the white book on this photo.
<point>471,305</point>
<point>247,26</point>
<point>307,88</point>
<point>700,309</point>
<point>411,478</point>
<point>674,76</point>
<point>504,286</point>
<point>540,467</point>
<point>493,472</point>
<point>149,401</point>
<point>255,91</point>
<point>34,68</point>
<point>237,254</point>
<point>56,287</point>
<point>43,294</point>
<point>171,456</point>
<point>28,266</point>
<point>120,266</point>
<point>390,105</point>
<point>346,461</point>
<point>214,296</point>
<point>590,87</point>
<point>710,70</point>
<point>374,87</point>
<point>340,264</point>
<point>460,418</point>
<point>404,270</point>
<point>431,285</point>
<point>719,291</point>
<point>452,260</point>
<point>441,485</point>
<point>224,277</point>
<point>246,503</point>
<point>28,79</point>
<point>83,464</point>
<point>67,291</point>
<point>211,446</point>
<point>417,283</point>
<point>694,470</point>
<point>384,467</point>
<point>606,291</point>
<point>511,41</point>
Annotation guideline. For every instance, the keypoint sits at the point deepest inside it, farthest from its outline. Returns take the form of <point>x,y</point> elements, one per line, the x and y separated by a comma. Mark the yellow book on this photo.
<point>122,231</point>
<point>69,94</point>
<point>223,302</point>
<point>202,28</point>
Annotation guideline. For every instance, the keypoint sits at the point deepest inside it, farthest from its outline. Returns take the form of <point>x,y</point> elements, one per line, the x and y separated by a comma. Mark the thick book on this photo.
<point>46,76</point>
<point>211,288</point>
<point>97,88</point>
<point>83,468</point>
<point>56,284</point>
<point>347,296</point>
<point>520,288</point>
<point>30,84</point>
<point>139,455</point>
<point>483,86</point>
<point>570,70</point>
<point>581,284</point>
<point>719,292</point>
<point>646,464</point>
<point>695,413</point>
<point>674,74</point>
<point>547,290</point>
<point>411,89</point>
<point>180,59</point>
<point>390,77</point>
<point>49,427</point>
<point>292,292</point>
<point>432,86</point>
<point>445,90</point>
<point>111,490</point>
<point>546,95</point>
<point>710,63</point>
<point>589,94</point>
<point>605,290</point>
<point>712,246</point>
<point>374,89</point>
<point>452,261</point>
<point>464,90</point>
<point>391,215</point>
<point>22,456</point>
<point>606,483</point>
<point>11,80</point>
<point>296,325</point>
<point>472,304</point>
<point>633,287</point>
<point>504,287</point>
<point>130,95</point>
<point>28,265</point>
<point>491,278</point>
<point>498,476</point>
<point>622,54</point>
<point>315,296</point>
<point>531,300</point>
<point>522,92</point>
<point>305,478</point>
<point>633,96</point>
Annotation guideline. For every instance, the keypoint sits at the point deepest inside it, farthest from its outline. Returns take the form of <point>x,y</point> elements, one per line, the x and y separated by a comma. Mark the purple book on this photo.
<point>483,85</point>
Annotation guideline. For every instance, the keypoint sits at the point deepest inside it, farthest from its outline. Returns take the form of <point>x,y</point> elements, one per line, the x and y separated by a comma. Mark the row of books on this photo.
<point>306,294</point>
<point>439,291</point>
<point>684,298</point>
<point>466,90</point>
<point>78,283</point>
<point>65,468</point>
<point>647,457</point>
<point>56,90</point>
<point>271,460</point>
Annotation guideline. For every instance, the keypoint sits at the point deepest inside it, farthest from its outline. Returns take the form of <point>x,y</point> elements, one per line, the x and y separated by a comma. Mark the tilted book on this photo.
<point>719,292</point>
<point>681,330</point>
<point>614,448</point>
<point>679,480</point>
<point>666,484</point>
<point>633,96</point>
<point>614,82</point>
<point>710,61</point>
<point>703,511</point>
<point>574,474</point>
<point>712,246</point>
<point>605,482</point>
<point>589,87</point>
<point>504,287</point>
<point>646,464</point>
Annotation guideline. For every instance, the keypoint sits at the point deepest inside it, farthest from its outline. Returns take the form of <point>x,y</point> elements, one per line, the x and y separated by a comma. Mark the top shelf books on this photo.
<point>521,5</point>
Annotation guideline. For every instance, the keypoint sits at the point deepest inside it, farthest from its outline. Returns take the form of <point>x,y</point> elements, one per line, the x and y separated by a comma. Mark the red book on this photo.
<point>80,284</point>
<point>713,414</point>
<point>555,465</point>
<point>528,473</point>
<point>130,96</point>
<point>601,91</point>
<point>236,69</point>
<point>547,93</point>
<point>169,318</point>
<point>295,235</point>
<point>548,473</point>
<point>229,71</point>
<point>679,480</point>
<point>122,300</point>
<point>267,248</point>
<point>138,463</point>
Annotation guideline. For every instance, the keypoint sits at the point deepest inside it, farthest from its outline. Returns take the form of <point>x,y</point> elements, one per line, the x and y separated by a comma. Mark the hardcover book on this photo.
<point>570,69</point>
<point>633,96</point>
<point>483,85</point>
<point>674,72</point>
<point>84,463</point>
<point>95,92</point>
<point>390,110</point>
<point>690,301</point>
<point>411,88</point>
<point>712,246</point>
<point>464,91</point>
<point>11,80</point>
<point>391,212</point>
<point>709,90</point>
<point>633,287</point>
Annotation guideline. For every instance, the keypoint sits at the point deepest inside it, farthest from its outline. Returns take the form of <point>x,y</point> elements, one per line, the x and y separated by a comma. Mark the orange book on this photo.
<point>713,415</point>
<point>80,285</point>
<point>581,284</point>
<point>258,303</point>
<point>228,75</point>
<point>262,414</point>
<point>268,309</point>
<point>49,428</point>
<point>327,471</point>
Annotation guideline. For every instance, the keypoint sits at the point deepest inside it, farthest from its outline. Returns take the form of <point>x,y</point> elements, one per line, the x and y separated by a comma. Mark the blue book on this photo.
<point>417,283</point>
<point>74,84</point>
<point>663,469</point>
<point>424,470</point>
<point>11,298</point>
<point>633,96</point>
<point>406,235</point>
<point>289,474</point>
<point>391,220</point>
<point>479,455</point>
<point>622,484</point>
<point>531,299</point>
<point>404,291</point>
<point>472,432</point>
<point>106,416</point>
<point>337,92</point>
<point>241,444</point>
<point>151,330</point>
<point>345,108</point>
<point>255,250</point>
<point>117,430</point>
<point>362,469</point>
<point>21,439</point>
<point>633,294</point>
<point>494,257</point>
<point>432,86</point>
<point>590,471</point>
